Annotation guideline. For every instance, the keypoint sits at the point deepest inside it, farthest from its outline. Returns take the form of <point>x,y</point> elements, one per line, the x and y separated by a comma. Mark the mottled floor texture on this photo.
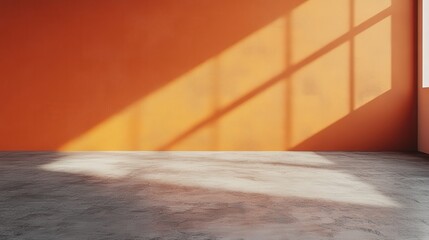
<point>213,195</point>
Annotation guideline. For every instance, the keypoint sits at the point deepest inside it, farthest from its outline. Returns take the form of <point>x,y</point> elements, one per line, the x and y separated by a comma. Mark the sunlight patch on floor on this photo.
<point>270,176</point>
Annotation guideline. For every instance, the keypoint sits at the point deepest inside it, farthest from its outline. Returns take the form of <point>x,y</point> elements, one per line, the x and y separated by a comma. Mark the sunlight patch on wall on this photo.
<point>272,90</point>
<point>273,178</point>
<point>178,106</point>
<point>373,62</point>
<point>184,102</point>
<point>315,23</point>
<point>251,62</point>
<point>320,94</point>
<point>242,129</point>
<point>365,9</point>
<point>236,71</point>
<point>120,131</point>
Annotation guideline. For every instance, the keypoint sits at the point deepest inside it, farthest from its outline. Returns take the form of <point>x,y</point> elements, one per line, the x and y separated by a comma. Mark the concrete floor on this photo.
<point>213,195</point>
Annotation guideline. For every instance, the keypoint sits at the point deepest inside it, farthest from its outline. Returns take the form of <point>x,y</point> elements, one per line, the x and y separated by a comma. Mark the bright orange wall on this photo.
<point>207,75</point>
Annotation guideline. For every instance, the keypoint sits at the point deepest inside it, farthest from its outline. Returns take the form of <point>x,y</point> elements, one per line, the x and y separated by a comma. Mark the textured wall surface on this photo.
<point>207,75</point>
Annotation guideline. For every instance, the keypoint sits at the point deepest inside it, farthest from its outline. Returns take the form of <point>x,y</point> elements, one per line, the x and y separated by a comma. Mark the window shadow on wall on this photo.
<point>283,75</point>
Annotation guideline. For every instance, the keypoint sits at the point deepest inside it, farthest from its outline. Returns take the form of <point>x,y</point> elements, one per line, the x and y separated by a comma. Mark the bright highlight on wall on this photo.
<point>271,90</point>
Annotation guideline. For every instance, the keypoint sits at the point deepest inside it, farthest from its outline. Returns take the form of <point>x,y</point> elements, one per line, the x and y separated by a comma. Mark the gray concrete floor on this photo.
<point>213,195</point>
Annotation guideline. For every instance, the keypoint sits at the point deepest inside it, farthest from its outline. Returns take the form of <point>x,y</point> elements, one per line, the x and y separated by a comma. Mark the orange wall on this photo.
<point>423,93</point>
<point>424,120</point>
<point>207,75</point>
